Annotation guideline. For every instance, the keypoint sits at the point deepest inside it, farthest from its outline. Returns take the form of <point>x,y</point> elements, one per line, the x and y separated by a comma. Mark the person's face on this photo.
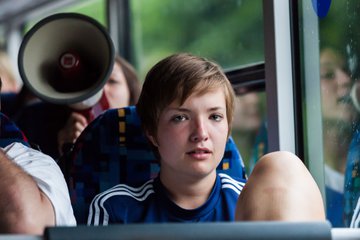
<point>247,116</point>
<point>335,85</point>
<point>116,89</point>
<point>191,138</point>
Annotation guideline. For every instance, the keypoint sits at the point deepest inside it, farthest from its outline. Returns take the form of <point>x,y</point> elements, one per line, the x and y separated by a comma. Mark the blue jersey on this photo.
<point>151,204</point>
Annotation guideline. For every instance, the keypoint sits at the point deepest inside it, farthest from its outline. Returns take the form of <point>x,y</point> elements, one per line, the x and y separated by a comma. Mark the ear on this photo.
<point>151,138</point>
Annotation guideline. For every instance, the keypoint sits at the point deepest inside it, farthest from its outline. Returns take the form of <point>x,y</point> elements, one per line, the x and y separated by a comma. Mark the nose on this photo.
<point>343,81</point>
<point>199,132</point>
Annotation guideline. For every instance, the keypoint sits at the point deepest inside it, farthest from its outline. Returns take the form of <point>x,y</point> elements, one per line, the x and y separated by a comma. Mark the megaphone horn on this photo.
<point>66,58</point>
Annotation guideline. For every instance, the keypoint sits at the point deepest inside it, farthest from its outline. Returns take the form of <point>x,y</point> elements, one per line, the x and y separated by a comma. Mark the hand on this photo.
<point>72,130</point>
<point>355,95</point>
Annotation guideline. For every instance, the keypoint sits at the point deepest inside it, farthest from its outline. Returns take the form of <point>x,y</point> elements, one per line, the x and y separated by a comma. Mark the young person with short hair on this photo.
<point>186,109</point>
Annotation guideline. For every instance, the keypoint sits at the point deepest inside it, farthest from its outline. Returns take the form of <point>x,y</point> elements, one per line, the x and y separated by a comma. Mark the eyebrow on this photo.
<point>181,109</point>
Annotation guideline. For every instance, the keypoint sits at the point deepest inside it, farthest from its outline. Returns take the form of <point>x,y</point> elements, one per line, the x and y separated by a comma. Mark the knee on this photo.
<point>281,164</point>
<point>284,170</point>
<point>280,187</point>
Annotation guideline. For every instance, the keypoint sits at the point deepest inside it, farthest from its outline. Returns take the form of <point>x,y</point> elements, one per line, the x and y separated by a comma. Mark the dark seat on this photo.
<point>112,150</point>
<point>10,133</point>
<point>8,103</point>
<point>41,122</point>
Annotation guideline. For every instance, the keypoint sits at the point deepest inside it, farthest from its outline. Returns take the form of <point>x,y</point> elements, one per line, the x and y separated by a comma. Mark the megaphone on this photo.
<point>66,58</point>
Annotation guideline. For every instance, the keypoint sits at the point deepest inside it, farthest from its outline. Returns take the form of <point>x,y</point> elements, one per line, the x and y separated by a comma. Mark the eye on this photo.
<point>112,82</point>
<point>216,117</point>
<point>179,118</point>
<point>328,75</point>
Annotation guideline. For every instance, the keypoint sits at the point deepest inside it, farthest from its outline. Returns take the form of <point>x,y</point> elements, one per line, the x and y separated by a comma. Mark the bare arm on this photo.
<point>24,208</point>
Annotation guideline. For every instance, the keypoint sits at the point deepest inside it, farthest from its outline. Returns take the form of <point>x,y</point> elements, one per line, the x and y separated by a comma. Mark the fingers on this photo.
<point>78,118</point>
<point>74,126</point>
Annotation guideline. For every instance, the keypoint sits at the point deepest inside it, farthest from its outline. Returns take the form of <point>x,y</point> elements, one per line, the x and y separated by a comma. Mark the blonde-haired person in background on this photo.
<point>9,82</point>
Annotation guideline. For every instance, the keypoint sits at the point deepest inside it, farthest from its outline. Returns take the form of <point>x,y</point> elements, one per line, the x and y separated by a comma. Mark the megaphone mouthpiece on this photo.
<point>69,61</point>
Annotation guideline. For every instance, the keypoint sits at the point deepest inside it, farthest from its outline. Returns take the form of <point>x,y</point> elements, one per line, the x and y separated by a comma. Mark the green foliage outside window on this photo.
<point>227,31</point>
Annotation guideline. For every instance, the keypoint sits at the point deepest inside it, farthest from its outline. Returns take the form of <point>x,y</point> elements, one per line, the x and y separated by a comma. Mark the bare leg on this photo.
<point>280,188</point>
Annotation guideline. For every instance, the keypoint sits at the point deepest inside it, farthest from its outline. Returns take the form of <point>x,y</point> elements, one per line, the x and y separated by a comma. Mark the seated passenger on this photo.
<point>9,82</point>
<point>247,122</point>
<point>57,126</point>
<point>339,121</point>
<point>122,89</point>
<point>13,98</point>
<point>186,109</point>
<point>33,191</point>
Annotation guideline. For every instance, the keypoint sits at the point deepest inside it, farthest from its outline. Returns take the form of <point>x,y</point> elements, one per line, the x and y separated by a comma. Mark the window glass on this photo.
<point>92,8</point>
<point>249,127</point>
<point>2,36</point>
<point>229,32</point>
<point>339,51</point>
<point>338,69</point>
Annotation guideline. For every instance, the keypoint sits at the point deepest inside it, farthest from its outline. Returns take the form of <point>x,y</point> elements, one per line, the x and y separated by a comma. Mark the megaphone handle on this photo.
<point>94,111</point>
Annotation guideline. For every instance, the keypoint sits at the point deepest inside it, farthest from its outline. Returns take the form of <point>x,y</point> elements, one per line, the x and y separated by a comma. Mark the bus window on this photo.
<point>228,32</point>
<point>247,125</point>
<point>92,8</point>
<point>335,68</point>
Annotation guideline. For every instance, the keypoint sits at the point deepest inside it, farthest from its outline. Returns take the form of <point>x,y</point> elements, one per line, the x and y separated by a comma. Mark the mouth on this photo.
<point>200,153</point>
<point>345,100</point>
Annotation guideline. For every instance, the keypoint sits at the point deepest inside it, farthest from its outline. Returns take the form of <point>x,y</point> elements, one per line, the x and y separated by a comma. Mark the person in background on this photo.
<point>186,109</point>
<point>246,124</point>
<point>34,193</point>
<point>57,126</point>
<point>11,94</point>
<point>339,123</point>
<point>9,82</point>
<point>121,90</point>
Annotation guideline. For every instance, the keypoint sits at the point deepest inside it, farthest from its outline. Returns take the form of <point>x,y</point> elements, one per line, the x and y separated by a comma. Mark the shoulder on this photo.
<point>47,175</point>
<point>139,194</point>
<point>230,183</point>
<point>120,204</point>
<point>27,157</point>
<point>15,147</point>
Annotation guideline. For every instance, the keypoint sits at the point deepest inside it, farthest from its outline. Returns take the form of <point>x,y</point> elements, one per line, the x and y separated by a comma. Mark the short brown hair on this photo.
<point>131,78</point>
<point>176,78</point>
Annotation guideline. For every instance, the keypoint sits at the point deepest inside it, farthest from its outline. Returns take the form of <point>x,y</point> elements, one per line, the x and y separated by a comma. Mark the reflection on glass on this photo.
<point>339,68</point>
<point>338,40</point>
<point>339,122</point>
<point>248,120</point>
